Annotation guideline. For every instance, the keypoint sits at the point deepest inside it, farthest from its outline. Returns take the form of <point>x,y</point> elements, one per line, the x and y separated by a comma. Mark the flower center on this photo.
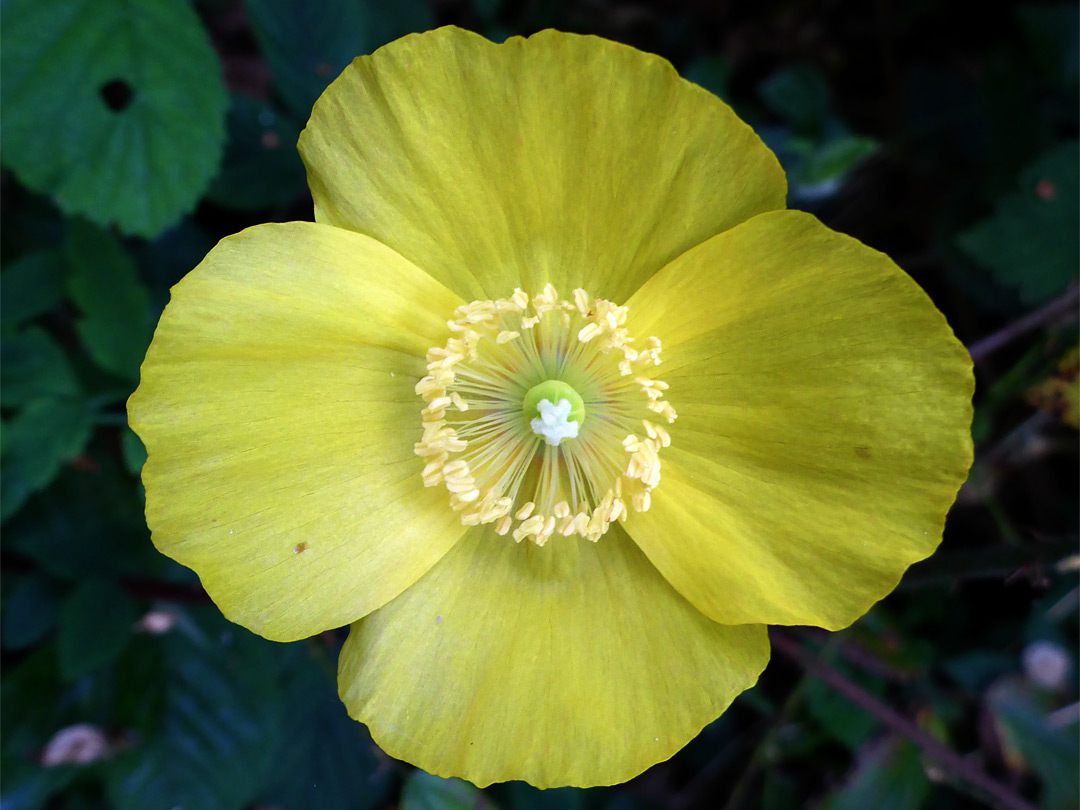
<point>508,390</point>
<point>561,411</point>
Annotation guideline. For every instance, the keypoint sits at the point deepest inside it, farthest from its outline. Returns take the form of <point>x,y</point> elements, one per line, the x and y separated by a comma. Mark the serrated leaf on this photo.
<point>1030,242</point>
<point>326,759</point>
<point>31,286</point>
<point>32,366</point>
<point>116,109</point>
<point>103,282</point>
<point>36,443</point>
<point>29,612</point>
<point>262,167</point>
<point>96,621</point>
<point>423,791</point>
<point>306,45</point>
<point>222,707</point>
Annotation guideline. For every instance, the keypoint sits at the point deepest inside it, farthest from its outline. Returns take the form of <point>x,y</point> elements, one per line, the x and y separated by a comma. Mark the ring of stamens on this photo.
<point>478,442</point>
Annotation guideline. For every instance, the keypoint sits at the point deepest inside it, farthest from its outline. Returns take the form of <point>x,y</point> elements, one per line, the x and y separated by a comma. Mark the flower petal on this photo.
<point>558,158</point>
<point>277,408</point>
<point>824,412</point>
<point>571,664</point>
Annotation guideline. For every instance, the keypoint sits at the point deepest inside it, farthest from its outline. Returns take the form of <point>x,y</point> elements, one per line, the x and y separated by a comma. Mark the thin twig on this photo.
<point>997,793</point>
<point>1066,305</point>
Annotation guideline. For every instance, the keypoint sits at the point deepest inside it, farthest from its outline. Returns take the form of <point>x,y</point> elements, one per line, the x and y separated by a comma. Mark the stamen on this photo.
<point>504,427</point>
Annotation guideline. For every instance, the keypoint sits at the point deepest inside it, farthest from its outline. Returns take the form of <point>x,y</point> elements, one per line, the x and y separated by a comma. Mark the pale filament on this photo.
<point>478,443</point>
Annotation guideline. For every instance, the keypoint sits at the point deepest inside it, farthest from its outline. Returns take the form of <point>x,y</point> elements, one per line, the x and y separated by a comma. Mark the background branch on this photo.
<point>959,768</point>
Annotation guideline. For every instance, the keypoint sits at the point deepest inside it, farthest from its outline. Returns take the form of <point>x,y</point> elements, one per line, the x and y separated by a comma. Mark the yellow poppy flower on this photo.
<point>555,402</point>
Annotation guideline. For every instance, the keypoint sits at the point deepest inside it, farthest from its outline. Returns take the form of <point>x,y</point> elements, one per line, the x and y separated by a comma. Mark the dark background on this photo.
<point>135,135</point>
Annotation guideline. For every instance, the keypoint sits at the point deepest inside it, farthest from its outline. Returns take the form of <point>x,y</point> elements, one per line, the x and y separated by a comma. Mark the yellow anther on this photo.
<point>581,301</point>
<point>587,333</point>
<point>495,470</point>
<point>454,467</point>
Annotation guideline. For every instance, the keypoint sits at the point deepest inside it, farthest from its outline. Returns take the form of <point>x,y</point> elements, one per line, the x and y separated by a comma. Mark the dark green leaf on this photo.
<point>134,452</point>
<point>33,786</point>
<point>887,776</point>
<point>711,72</point>
<point>975,669</point>
<point>115,108</point>
<point>326,759</point>
<point>96,621</point>
<point>33,713</point>
<point>32,365</point>
<point>800,96</point>
<point>222,709</point>
<point>1049,751</point>
<point>844,722</point>
<point>29,612</point>
<point>34,710</point>
<point>780,792</point>
<point>171,256</point>
<point>31,286</point>
<point>88,523</point>
<point>1030,242</point>
<point>262,167</point>
<point>1053,32</point>
<point>832,160</point>
<point>103,282</point>
<point>522,796</point>
<point>307,44</point>
<point>35,445</point>
<point>423,791</point>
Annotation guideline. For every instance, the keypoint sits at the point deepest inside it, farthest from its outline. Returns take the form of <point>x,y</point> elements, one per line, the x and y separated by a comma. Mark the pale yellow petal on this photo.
<point>824,412</point>
<point>277,408</point>
<point>571,664</point>
<point>558,158</point>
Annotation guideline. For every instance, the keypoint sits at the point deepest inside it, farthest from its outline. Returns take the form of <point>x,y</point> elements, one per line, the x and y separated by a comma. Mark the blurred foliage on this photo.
<point>115,109</point>
<point>1030,242</point>
<point>137,134</point>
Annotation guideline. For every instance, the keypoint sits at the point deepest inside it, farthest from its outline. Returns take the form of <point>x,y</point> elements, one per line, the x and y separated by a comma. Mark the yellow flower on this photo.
<point>554,402</point>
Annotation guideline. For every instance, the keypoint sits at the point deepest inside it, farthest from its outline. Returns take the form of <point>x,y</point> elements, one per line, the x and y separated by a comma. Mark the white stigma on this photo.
<point>553,424</point>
